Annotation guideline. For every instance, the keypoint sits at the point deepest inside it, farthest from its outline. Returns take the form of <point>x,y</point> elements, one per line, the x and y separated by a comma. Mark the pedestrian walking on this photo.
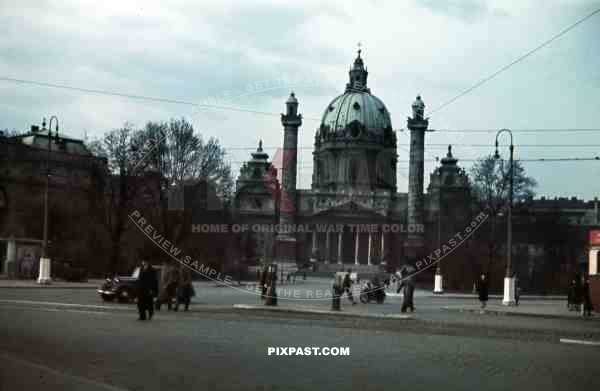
<point>338,289</point>
<point>482,290</point>
<point>147,289</point>
<point>185,289</point>
<point>571,295</point>
<point>263,283</point>
<point>578,299</point>
<point>408,289</point>
<point>168,287</point>
<point>517,291</point>
<point>586,307</point>
<point>28,266</point>
<point>347,287</point>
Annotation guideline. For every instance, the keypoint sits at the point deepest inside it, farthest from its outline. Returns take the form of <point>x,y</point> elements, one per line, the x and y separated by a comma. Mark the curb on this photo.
<point>249,307</point>
<point>48,286</point>
<point>509,313</point>
<point>499,297</point>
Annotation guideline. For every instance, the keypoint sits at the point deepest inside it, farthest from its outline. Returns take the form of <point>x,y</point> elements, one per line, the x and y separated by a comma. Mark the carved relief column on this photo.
<point>383,260</point>
<point>369,249</point>
<point>339,255</point>
<point>327,247</point>
<point>356,240</point>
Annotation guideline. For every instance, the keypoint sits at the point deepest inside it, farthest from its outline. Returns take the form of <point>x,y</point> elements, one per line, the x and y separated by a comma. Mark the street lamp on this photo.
<point>438,286</point>
<point>44,269</point>
<point>509,280</point>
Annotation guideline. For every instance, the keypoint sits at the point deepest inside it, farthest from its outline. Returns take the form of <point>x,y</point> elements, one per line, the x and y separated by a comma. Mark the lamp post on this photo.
<point>44,269</point>
<point>438,284</point>
<point>509,280</point>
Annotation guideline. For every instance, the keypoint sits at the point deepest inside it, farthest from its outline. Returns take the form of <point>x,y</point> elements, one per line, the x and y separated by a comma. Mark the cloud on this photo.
<point>201,50</point>
<point>467,10</point>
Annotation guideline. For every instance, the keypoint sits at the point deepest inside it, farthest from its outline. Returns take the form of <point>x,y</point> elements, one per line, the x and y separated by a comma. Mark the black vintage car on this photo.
<point>123,288</point>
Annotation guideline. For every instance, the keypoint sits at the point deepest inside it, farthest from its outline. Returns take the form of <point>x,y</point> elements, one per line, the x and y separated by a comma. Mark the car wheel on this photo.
<point>124,296</point>
<point>107,297</point>
<point>364,298</point>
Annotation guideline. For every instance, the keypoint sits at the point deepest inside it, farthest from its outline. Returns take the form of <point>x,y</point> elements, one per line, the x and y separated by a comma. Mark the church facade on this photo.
<point>353,215</point>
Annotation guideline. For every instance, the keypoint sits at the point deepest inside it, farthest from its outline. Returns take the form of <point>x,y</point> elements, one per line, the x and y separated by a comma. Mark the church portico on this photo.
<point>351,243</point>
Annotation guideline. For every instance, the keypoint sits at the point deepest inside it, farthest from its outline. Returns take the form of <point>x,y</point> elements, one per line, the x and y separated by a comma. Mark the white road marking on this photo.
<point>55,372</point>
<point>105,313</point>
<point>580,342</point>
<point>68,305</point>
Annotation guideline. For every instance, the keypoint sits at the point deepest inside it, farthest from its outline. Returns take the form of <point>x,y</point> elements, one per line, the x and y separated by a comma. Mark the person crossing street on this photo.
<point>347,287</point>
<point>147,289</point>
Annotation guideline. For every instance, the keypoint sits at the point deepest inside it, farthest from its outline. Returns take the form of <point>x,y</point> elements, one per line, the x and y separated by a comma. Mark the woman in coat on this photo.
<point>185,289</point>
<point>482,290</point>
<point>168,286</point>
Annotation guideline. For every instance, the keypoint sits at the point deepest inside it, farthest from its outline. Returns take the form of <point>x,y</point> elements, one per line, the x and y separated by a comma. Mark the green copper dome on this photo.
<point>357,107</point>
<point>353,106</point>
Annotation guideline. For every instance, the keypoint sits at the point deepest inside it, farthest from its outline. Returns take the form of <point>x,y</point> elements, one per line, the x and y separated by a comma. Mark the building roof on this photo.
<point>39,139</point>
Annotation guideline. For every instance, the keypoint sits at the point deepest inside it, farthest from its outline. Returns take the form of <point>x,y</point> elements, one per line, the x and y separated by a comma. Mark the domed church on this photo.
<point>352,216</point>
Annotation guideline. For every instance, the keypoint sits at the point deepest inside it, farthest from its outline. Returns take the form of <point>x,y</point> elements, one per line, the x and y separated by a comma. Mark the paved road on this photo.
<point>428,308</point>
<point>77,349</point>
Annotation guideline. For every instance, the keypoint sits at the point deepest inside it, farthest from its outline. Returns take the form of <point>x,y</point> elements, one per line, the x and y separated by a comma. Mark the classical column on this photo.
<point>286,242</point>
<point>415,243</point>
<point>339,257</point>
<point>357,237</point>
<point>369,250</point>
<point>313,254</point>
<point>10,267</point>
<point>327,247</point>
<point>383,261</point>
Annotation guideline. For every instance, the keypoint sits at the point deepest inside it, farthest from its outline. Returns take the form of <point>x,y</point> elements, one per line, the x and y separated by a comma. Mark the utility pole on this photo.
<point>44,269</point>
<point>438,285</point>
<point>509,278</point>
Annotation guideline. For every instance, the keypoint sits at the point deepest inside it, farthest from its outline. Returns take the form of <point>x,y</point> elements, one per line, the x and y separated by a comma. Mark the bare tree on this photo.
<point>181,158</point>
<point>118,148</point>
<point>490,180</point>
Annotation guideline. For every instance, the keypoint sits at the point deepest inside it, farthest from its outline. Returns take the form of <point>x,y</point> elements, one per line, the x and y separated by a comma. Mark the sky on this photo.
<point>252,54</point>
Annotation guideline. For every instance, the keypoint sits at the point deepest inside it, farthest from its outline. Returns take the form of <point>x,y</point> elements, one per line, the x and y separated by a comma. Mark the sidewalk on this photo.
<point>451,295</point>
<point>56,284</point>
<point>540,310</point>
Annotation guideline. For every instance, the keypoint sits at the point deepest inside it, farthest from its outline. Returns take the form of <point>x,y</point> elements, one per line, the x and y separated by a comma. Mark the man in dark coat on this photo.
<point>347,287</point>
<point>482,290</point>
<point>408,287</point>
<point>586,300</point>
<point>572,295</point>
<point>263,283</point>
<point>147,287</point>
